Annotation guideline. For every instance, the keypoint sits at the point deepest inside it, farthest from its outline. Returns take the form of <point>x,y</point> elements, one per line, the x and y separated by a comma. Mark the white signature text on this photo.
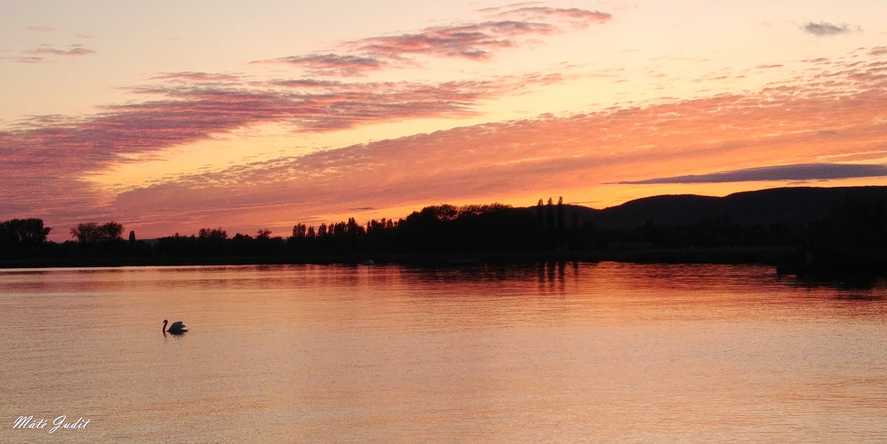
<point>61,422</point>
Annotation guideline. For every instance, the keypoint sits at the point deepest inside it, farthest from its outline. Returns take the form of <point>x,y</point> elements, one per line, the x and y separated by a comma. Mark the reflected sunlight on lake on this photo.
<point>564,352</point>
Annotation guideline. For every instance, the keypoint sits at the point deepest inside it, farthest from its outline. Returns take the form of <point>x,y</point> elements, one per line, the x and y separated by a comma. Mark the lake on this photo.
<point>552,352</point>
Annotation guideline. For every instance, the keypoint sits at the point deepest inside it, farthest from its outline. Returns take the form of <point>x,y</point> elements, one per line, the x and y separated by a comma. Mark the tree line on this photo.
<point>446,230</point>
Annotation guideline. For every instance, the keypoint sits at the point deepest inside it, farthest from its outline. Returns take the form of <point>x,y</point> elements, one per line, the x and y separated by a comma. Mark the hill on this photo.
<point>781,206</point>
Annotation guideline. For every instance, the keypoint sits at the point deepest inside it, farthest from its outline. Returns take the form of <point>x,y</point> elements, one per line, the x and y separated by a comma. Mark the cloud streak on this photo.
<point>805,171</point>
<point>196,77</point>
<point>474,41</point>
<point>23,59</point>
<point>576,16</point>
<point>74,50</point>
<point>331,64</point>
<point>40,54</point>
<point>471,41</point>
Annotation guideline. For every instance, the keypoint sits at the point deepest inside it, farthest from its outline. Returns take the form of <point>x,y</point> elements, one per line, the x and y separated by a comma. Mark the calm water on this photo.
<point>606,352</point>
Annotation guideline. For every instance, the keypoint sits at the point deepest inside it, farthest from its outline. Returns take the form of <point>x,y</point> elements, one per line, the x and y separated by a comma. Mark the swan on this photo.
<point>176,328</point>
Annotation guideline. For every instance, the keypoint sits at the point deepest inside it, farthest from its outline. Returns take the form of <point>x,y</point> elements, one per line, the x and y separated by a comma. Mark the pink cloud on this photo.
<point>497,9</point>
<point>471,41</point>
<point>331,64</point>
<point>581,17</point>
<point>44,158</point>
<point>310,83</point>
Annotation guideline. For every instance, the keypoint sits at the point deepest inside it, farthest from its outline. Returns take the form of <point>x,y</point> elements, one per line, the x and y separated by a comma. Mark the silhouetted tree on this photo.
<point>215,234</point>
<point>23,232</point>
<point>91,233</point>
<point>85,233</point>
<point>549,214</point>
<point>855,232</point>
<point>111,231</point>
<point>300,231</point>
<point>540,216</point>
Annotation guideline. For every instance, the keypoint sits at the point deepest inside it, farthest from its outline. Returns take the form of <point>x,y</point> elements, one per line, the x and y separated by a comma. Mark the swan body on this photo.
<point>176,328</point>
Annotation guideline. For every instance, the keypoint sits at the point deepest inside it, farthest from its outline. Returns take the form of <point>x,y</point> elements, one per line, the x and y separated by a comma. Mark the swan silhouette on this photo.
<point>176,328</point>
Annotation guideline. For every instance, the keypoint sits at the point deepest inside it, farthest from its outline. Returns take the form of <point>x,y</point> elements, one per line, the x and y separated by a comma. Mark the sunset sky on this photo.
<point>172,116</point>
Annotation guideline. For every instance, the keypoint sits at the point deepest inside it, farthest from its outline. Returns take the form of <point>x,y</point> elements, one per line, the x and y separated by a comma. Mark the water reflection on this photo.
<point>552,275</point>
<point>551,351</point>
<point>864,297</point>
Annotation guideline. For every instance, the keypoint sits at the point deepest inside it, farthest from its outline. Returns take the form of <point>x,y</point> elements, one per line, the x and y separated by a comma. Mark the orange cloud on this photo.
<point>44,158</point>
<point>833,109</point>
<point>779,125</point>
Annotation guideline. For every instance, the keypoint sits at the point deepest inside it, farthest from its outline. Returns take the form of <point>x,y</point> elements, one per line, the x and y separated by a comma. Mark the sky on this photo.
<point>170,116</point>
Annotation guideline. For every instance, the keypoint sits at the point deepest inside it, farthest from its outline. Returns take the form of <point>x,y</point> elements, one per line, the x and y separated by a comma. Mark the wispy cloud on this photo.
<point>73,50</point>
<point>580,17</point>
<point>41,53</point>
<point>804,171</point>
<point>40,28</point>
<point>469,41</point>
<point>331,64</point>
<point>825,29</point>
<point>22,59</point>
<point>44,158</point>
<point>478,40</point>
<point>503,8</point>
<point>196,77</point>
<point>473,41</point>
<point>308,83</point>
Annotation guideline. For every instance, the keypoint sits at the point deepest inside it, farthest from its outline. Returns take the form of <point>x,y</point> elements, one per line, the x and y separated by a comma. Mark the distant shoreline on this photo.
<point>801,231</point>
